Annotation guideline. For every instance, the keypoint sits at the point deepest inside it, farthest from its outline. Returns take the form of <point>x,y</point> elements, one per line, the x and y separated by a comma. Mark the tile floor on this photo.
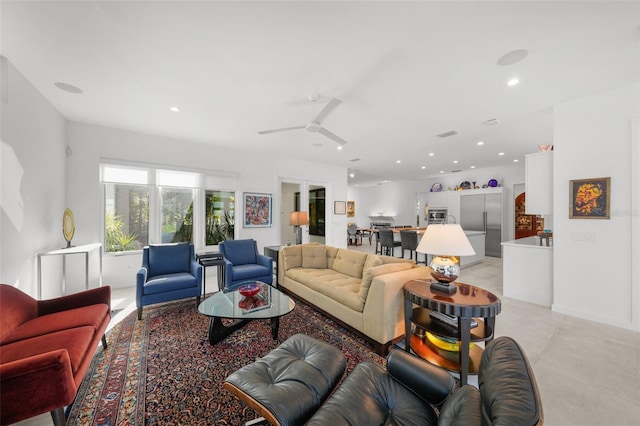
<point>588,373</point>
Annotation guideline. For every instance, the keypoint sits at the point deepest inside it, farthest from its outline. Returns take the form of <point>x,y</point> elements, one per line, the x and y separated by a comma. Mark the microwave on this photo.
<point>437,215</point>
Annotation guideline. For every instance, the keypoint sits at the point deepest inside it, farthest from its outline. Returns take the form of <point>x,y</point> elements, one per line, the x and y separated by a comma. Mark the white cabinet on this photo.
<point>527,271</point>
<point>539,183</point>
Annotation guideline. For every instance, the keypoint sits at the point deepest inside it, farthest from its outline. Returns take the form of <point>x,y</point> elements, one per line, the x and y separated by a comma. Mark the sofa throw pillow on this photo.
<point>370,273</point>
<point>314,257</point>
<point>350,262</point>
<point>292,257</point>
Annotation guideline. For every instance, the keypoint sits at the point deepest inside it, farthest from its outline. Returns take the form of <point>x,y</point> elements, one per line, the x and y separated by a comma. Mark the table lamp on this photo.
<point>444,242</point>
<point>297,219</point>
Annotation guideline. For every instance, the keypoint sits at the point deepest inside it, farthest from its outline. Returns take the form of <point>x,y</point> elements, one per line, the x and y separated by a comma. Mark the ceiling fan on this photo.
<point>315,125</point>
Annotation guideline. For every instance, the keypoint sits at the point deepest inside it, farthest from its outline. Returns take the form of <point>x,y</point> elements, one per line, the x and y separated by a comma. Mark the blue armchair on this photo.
<point>243,262</point>
<point>168,272</point>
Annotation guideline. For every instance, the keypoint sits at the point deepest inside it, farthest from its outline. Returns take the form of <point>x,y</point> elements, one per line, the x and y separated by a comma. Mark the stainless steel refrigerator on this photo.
<point>483,212</point>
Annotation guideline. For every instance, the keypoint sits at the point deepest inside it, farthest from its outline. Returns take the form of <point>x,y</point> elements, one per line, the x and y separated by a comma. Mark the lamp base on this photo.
<point>439,287</point>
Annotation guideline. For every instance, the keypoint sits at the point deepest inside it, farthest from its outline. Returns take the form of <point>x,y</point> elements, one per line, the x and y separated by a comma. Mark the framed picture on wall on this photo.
<point>589,198</point>
<point>351,208</point>
<point>339,207</point>
<point>257,210</point>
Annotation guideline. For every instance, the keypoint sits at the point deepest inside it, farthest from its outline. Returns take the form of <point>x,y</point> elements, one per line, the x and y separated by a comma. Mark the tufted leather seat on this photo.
<point>287,385</point>
<point>410,391</point>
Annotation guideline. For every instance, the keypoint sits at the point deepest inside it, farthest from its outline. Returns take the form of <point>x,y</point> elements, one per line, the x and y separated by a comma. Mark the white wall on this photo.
<point>593,138</point>
<point>32,169</point>
<point>257,173</point>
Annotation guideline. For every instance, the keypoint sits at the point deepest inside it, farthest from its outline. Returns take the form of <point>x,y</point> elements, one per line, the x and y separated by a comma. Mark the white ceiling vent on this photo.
<point>447,134</point>
<point>492,122</point>
<point>353,160</point>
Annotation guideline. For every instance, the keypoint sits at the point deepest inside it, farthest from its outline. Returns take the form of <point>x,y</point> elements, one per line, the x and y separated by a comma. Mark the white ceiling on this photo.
<point>405,72</point>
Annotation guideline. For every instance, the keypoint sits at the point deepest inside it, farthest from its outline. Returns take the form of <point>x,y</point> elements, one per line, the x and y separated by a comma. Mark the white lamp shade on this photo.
<point>445,240</point>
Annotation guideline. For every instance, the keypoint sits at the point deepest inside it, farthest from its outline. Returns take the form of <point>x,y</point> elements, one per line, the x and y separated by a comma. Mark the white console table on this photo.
<point>85,249</point>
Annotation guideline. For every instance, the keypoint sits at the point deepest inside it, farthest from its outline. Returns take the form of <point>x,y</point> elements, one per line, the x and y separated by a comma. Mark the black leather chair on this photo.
<point>410,391</point>
<point>387,242</point>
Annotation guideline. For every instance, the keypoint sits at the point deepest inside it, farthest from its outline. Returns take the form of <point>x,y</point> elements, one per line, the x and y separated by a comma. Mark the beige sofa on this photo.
<point>360,290</point>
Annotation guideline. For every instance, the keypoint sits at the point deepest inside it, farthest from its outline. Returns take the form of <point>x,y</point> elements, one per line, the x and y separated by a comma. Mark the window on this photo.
<point>219,216</point>
<point>177,214</point>
<point>144,206</point>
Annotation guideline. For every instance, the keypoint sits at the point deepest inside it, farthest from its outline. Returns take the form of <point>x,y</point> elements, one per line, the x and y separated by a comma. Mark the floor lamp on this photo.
<point>297,219</point>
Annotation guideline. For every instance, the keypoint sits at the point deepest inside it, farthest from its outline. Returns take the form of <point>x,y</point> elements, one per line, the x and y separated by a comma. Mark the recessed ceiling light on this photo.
<point>512,57</point>
<point>512,82</point>
<point>501,153</point>
<point>339,147</point>
<point>480,143</point>
<point>473,167</point>
<point>174,109</point>
<point>398,161</point>
<point>352,175</point>
<point>68,88</point>
<point>455,161</point>
<point>441,171</point>
<point>423,167</point>
<point>516,160</point>
<point>431,154</point>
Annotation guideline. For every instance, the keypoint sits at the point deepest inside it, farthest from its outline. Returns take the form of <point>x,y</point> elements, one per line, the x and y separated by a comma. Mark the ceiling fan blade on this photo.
<point>283,129</point>
<point>326,110</point>
<point>332,136</point>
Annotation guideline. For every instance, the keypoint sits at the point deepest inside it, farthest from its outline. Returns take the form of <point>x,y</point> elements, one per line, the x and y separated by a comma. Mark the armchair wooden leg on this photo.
<point>58,417</point>
<point>140,313</point>
<point>197,301</point>
<point>104,342</point>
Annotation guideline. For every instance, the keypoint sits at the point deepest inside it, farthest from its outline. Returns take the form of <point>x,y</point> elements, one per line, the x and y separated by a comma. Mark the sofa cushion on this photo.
<point>350,262</point>
<point>169,258</point>
<point>76,341</point>
<point>292,257</point>
<point>250,272</point>
<point>314,256</point>
<point>169,282</point>
<point>92,315</point>
<point>335,285</point>
<point>332,252</point>
<point>370,273</point>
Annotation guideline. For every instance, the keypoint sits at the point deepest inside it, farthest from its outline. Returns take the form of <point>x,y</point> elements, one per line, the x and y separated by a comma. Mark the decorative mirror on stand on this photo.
<point>68,226</point>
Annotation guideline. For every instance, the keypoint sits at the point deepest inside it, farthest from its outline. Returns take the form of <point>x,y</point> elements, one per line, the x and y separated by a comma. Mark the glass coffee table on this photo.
<point>268,303</point>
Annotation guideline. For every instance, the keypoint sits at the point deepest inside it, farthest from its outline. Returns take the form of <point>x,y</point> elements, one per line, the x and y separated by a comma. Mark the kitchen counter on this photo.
<point>527,271</point>
<point>529,241</point>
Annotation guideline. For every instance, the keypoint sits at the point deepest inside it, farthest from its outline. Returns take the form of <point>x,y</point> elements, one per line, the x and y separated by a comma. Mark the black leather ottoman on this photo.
<point>289,384</point>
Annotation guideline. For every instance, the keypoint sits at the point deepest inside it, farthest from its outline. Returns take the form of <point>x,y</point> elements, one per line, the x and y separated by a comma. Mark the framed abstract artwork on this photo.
<point>339,207</point>
<point>590,198</point>
<point>257,210</point>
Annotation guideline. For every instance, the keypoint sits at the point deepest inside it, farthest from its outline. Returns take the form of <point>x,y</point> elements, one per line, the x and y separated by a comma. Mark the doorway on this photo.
<point>303,196</point>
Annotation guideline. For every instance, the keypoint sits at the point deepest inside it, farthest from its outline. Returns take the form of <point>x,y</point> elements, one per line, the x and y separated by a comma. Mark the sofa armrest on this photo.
<point>196,271</point>
<point>141,278</point>
<point>431,383</point>
<point>84,298</point>
<point>265,261</point>
<point>35,385</point>
<point>383,314</point>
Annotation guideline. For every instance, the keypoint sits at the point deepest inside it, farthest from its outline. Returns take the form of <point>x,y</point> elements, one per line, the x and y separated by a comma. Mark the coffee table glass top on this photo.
<point>268,303</point>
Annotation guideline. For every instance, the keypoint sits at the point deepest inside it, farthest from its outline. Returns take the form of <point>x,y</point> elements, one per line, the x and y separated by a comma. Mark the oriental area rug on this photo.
<point>163,371</point>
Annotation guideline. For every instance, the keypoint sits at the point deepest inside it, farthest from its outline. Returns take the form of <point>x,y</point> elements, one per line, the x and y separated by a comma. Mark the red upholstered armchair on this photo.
<point>46,347</point>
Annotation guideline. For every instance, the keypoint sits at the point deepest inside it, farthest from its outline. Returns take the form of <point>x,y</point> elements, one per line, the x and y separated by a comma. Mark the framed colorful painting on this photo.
<point>590,198</point>
<point>257,210</point>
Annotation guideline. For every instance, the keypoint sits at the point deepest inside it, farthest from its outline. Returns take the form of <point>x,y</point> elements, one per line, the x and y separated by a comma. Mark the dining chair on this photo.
<point>409,241</point>
<point>353,235</point>
<point>387,242</point>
